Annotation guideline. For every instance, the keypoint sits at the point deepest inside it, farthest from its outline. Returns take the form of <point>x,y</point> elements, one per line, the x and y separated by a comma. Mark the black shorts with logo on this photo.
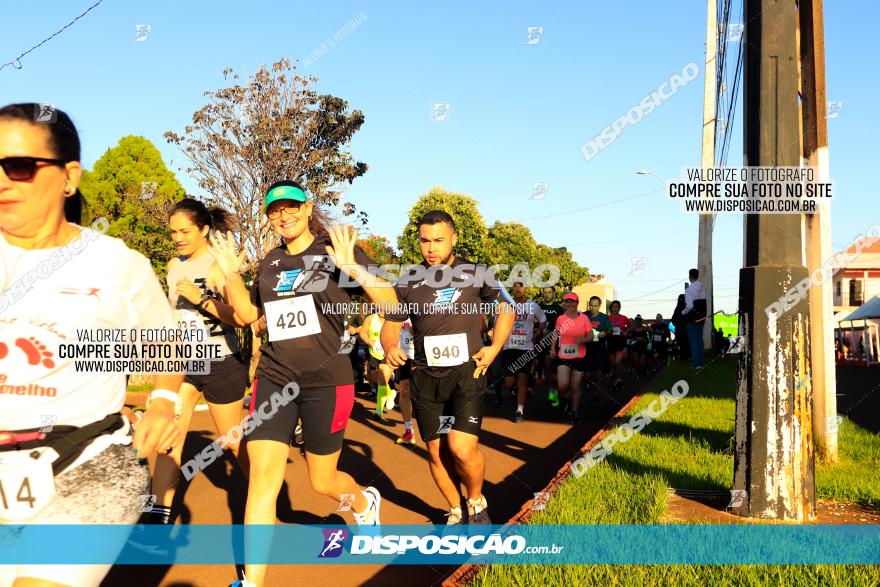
<point>225,384</point>
<point>324,412</point>
<point>452,402</point>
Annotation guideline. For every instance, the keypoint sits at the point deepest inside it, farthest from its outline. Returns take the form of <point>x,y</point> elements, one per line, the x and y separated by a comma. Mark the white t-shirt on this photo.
<point>522,335</point>
<point>95,282</point>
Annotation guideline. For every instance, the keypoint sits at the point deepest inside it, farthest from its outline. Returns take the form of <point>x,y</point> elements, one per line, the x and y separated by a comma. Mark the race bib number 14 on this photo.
<point>292,318</point>
<point>446,350</point>
<point>27,485</point>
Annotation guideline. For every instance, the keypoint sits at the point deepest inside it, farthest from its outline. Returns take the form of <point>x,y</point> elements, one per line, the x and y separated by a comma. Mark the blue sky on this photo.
<point>519,112</point>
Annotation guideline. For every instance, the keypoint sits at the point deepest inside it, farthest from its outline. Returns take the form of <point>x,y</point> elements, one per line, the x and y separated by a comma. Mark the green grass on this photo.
<point>690,447</point>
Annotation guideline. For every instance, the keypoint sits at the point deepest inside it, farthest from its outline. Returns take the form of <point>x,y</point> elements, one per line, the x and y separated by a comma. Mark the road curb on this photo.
<point>466,573</point>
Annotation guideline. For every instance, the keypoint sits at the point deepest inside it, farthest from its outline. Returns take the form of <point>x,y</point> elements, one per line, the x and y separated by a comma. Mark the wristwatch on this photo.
<point>204,300</point>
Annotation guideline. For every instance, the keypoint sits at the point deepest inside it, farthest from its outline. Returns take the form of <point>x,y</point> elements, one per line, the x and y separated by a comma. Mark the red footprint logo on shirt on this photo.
<point>35,351</point>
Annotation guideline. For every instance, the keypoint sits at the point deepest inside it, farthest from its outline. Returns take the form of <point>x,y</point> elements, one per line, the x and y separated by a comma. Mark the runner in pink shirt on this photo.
<point>570,349</point>
<point>617,341</point>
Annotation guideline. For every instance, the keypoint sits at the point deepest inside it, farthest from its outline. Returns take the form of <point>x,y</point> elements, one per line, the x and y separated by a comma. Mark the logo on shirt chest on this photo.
<point>446,296</point>
<point>289,280</point>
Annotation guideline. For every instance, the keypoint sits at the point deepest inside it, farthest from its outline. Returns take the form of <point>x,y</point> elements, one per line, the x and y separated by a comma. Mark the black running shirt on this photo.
<point>305,311</point>
<point>446,320</point>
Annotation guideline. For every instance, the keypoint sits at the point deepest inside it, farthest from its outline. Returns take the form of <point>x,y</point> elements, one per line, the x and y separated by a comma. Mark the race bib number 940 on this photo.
<point>446,350</point>
<point>292,318</point>
<point>27,485</point>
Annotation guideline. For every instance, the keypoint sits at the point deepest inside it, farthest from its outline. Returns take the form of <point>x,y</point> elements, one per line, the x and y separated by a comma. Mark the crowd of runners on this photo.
<point>90,464</point>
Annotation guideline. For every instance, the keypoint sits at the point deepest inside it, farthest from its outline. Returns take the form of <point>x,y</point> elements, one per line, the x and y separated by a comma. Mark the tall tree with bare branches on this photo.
<point>273,126</point>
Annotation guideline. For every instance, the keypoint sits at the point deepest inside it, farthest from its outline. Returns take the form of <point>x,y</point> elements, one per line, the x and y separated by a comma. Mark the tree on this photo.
<point>379,249</point>
<point>468,221</point>
<point>131,186</point>
<point>276,126</point>
<point>509,243</point>
<point>571,273</point>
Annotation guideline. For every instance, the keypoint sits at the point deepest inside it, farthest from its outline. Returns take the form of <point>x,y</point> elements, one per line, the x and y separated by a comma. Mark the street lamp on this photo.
<point>648,172</point>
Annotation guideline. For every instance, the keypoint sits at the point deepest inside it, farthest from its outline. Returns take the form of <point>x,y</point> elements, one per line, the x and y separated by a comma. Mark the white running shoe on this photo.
<point>389,399</point>
<point>478,511</point>
<point>454,516</point>
<point>370,516</point>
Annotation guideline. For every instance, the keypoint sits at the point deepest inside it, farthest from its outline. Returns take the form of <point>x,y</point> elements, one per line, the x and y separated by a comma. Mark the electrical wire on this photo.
<point>47,39</point>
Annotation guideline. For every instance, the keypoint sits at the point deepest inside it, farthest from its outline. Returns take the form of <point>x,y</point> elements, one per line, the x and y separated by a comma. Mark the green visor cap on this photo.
<point>284,192</point>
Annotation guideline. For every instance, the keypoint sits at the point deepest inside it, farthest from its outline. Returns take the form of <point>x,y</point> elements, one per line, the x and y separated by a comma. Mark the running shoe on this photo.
<point>499,400</point>
<point>454,516</point>
<point>575,418</point>
<point>242,583</point>
<point>370,516</point>
<point>518,417</point>
<point>553,397</point>
<point>407,438</point>
<point>389,399</point>
<point>478,511</point>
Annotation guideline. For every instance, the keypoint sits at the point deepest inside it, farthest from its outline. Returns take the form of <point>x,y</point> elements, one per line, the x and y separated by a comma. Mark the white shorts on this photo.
<point>106,489</point>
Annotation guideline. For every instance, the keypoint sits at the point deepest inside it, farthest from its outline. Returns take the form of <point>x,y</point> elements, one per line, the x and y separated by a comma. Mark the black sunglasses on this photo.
<point>24,168</point>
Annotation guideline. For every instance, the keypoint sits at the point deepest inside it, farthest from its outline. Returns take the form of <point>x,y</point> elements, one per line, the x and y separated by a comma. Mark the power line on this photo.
<point>611,203</point>
<point>55,34</point>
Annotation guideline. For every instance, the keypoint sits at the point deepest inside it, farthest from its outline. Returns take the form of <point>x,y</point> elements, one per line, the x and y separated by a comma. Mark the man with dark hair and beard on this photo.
<point>448,382</point>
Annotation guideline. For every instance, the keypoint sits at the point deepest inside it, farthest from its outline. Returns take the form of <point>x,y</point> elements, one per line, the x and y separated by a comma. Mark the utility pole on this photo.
<point>773,458</point>
<point>818,227</point>
<point>707,160</point>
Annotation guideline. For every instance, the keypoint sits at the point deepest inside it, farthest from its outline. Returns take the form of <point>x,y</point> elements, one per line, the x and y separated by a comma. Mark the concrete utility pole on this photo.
<point>773,461</point>
<point>818,228</point>
<point>707,219</point>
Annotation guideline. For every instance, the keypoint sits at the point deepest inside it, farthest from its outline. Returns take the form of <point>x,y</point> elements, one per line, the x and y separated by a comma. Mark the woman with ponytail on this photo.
<point>197,292</point>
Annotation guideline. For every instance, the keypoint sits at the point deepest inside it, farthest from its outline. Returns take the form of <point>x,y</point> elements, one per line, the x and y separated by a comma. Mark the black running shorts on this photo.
<point>225,384</point>
<point>452,402</point>
<point>516,361</point>
<point>324,412</point>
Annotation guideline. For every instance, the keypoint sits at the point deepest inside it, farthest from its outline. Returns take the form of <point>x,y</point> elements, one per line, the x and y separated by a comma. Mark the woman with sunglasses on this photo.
<point>59,278</point>
<point>196,290</point>
<point>315,268</point>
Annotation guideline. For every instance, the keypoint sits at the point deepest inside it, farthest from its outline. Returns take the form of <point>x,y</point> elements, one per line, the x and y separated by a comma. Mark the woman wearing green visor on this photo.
<point>291,286</point>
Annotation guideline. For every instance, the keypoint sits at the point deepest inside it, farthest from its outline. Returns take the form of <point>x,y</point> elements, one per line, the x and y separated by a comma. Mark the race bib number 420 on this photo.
<point>27,485</point>
<point>447,350</point>
<point>292,318</point>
